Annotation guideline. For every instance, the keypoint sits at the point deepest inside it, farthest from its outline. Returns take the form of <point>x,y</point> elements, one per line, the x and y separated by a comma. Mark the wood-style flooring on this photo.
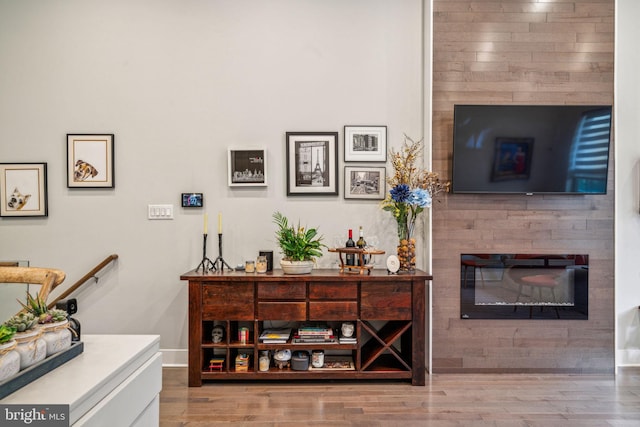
<point>446,400</point>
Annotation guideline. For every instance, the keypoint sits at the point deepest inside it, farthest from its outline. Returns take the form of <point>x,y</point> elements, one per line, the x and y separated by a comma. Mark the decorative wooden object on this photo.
<point>388,313</point>
<point>362,266</point>
<point>49,278</point>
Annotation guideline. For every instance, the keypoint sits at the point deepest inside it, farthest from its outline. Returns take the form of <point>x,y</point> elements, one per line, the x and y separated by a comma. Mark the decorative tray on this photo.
<point>39,369</point>
<point>360,253</point>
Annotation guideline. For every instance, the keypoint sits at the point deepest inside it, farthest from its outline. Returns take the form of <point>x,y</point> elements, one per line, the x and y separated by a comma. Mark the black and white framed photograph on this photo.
<point>312,163</point>
<point>365,143</point>
<point>247,167</point>
<point>90,161</point>
<point>362,182</point>
<point>23,189</point>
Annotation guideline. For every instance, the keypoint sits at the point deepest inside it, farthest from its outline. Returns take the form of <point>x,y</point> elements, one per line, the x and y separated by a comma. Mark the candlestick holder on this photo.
<point>220,260</point>
<point>206,264</point>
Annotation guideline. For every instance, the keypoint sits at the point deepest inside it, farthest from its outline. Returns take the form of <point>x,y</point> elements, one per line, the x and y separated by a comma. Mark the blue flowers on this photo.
<point>420,198</point>
<point>400,193</point>
<point>412,188</point>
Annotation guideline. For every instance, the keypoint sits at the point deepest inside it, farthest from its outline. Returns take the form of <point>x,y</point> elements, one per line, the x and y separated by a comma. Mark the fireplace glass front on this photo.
<point>524,286</point>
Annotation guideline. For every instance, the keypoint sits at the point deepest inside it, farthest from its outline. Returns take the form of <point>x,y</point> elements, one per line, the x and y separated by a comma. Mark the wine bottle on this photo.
<point>351,258</point>
<point>361,243</point>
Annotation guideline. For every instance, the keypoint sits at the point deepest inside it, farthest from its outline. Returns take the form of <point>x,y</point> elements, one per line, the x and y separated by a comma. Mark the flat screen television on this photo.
<point>531,149</point>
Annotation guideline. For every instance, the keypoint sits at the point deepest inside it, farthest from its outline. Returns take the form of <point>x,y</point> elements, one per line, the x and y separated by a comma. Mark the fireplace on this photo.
<point>524,286</point>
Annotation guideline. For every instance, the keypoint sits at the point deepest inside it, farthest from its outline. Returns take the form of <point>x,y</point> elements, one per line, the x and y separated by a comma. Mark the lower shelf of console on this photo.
<point>288,374</point>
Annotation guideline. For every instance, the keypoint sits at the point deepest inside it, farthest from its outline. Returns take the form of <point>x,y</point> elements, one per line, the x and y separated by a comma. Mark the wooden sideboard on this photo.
<point>388,312</point>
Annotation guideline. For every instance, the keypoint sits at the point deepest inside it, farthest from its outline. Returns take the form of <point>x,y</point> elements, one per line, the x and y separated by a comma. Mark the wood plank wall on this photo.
<point>521,52</point>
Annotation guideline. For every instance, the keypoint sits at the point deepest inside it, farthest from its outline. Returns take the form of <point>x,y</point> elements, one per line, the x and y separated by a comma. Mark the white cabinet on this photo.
<point>116,381</point>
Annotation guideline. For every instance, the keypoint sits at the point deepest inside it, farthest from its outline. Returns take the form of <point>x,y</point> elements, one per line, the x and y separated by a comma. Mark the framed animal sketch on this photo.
<point>90,160</point>
<point>23,189</point>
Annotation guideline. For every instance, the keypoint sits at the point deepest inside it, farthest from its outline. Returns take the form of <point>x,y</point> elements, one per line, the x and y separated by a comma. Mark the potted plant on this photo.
<point>31,346</point>
<point>9,359</point>
<point>54,322</point>
<point>300,247</point>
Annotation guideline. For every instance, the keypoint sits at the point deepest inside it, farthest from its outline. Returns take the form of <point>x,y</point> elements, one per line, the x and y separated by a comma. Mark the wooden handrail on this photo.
<point>86,277</point>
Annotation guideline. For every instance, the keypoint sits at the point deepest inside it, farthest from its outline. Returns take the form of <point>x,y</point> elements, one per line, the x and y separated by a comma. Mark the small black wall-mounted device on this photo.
<point>192,200</point>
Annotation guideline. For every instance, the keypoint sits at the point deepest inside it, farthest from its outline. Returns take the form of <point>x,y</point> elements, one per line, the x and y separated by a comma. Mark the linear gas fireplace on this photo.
<point>524,286</point>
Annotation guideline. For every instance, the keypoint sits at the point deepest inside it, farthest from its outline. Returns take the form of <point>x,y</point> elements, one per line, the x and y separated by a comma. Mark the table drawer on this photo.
<point>282,290</point>
<point>218,303</point>
<point>333,310</point>
<point>333,290</point>
<point>384,301</point>
<point>278,310</point>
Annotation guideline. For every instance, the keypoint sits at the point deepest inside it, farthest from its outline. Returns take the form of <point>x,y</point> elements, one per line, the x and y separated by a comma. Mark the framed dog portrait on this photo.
<point>90,161</point>
<point>364,182</point>
<point>247,168</point>
<point>23,189</point>
<point>312,163</point>
<point>365,143</point>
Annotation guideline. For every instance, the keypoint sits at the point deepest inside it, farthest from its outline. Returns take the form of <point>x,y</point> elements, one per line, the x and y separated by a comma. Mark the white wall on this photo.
<point>178,82</point>
<point>627,114</point>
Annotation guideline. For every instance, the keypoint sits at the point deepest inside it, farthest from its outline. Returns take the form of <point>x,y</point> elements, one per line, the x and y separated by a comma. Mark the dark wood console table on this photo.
<point>388,312</point>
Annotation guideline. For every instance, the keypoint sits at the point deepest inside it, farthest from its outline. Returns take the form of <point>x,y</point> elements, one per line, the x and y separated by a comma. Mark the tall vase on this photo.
<point>406,246</point>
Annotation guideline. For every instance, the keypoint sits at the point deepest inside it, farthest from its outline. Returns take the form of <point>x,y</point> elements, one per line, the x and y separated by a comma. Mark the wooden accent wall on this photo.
<point>521,52</point>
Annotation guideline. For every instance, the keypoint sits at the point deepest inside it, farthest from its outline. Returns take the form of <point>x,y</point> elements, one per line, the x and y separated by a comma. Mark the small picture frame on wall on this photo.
<point>90,160</point>
<point>23,189</point>
<point>312,163</point>
<point>365,143</point>
<point>247,167</point>
<point>362,182</point>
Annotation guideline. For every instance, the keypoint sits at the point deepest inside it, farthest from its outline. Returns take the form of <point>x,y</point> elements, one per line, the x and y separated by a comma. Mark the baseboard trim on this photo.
<point>174,357</point>
<point>629,358</point>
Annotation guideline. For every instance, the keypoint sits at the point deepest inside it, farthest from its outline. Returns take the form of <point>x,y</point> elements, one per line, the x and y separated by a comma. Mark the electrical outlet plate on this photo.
<point>160,212</point>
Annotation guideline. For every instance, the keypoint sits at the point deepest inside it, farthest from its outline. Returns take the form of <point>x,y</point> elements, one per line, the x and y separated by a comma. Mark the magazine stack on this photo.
<point>275,336</point>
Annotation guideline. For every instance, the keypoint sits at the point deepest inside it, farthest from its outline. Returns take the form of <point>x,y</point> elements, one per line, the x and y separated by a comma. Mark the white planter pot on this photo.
<point>57,335</point>
<point>31,347</point>
<point>9,360</point>
<point>296,267</point>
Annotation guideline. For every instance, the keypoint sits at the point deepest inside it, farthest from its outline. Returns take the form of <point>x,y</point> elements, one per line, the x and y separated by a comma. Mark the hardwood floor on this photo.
<point>446,400</point>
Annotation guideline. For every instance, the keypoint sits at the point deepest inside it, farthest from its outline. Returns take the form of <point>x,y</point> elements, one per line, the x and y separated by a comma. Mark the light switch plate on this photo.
<point>160,212</point>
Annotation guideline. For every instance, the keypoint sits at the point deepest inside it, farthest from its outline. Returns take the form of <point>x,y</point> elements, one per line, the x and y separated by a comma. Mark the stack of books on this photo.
<point>275,336</point>
<point>348,340</point>
<point>315,334</point>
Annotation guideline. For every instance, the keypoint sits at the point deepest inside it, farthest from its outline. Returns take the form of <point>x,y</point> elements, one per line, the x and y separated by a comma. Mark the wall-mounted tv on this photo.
<point>531,149</point>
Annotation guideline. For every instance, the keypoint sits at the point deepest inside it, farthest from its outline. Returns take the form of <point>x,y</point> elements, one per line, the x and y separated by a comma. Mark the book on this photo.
<point>314,340</point>
<point>275,335</point>
<point>315,335</point>
<point>314,329</point>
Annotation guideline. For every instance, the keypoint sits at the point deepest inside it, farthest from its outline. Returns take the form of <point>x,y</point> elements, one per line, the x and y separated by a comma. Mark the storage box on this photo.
<point>300,361</point>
